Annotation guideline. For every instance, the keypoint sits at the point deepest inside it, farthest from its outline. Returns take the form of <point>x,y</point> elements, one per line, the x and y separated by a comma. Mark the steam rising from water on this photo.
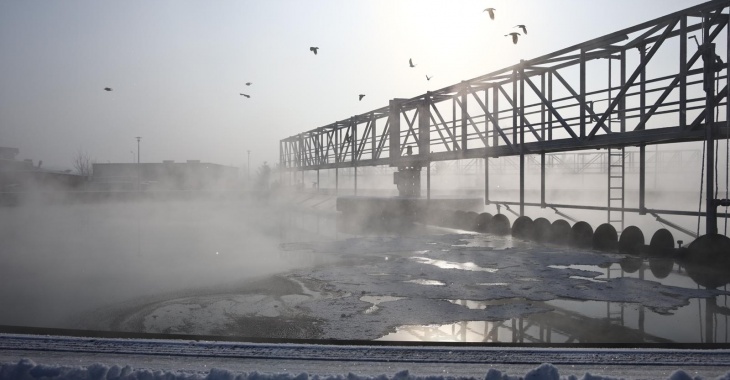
<point>61,261</point>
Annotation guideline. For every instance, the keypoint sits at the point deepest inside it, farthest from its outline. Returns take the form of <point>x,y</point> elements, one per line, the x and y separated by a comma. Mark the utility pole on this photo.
<point>139,169</point>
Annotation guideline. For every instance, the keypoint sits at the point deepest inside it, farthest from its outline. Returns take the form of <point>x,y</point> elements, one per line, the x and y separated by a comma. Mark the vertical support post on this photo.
<point>486,119</point>
<point>622,102</point>
<point>486,180</point>
<point>424,141</point>
<point>642,83</point>
<point>318,180</point>
<point>424,131</point>
<point>550,100</point>
<point>514,107</point>
<point>353,142</point>
<point>582,93</point>
<point>464,116</point>
<point>709,84</point>
<point>683,72</point>
<point>522,140</point>
<point>336,133</point>
<point>495,113</point>
<point>428,180</point>
<point>522,183</point>
<point>542,180</point>
<point>455,144</point>
<point>394,132</point>
<point>642,179</point>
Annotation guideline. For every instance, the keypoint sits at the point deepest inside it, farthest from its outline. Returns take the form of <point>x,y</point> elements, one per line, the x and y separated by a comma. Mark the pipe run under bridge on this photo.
<point>553,103</point>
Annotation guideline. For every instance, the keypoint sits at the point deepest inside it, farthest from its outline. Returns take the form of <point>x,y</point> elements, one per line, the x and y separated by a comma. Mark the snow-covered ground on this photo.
<point>35,357</point>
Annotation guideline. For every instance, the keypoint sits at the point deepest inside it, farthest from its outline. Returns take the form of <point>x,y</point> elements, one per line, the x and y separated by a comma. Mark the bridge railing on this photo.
<point>638,86</point>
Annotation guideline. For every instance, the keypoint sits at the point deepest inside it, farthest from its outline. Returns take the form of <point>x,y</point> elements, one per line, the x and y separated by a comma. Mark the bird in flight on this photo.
<point>361,96</point>
<point>248,83</point>
<point>410,62</point>
<point>514,37</point>
<point>428,77</point>
<point>314,50</point>
<point>248,96</point>
<point>107,89</point>
<point>524,29</point>
<point>491,12</point>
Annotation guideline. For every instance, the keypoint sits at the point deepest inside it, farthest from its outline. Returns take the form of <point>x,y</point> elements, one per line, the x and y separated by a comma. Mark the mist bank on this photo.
<point>62,260</point>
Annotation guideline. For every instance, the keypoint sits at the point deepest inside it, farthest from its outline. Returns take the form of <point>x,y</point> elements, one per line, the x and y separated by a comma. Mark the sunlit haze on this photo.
<point>177,68</point>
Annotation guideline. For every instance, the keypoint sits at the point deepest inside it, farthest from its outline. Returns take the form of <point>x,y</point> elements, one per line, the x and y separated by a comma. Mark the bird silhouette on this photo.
<point>314,50</point>
<point>248,83</point>
<point>428,77</point>
<point>524,29</point>
<point>514,35</point>
<point>248,96</point>
<point>107,89</point>
<point>361,96</point>
<point>491,12</point>
<point>410,62</point>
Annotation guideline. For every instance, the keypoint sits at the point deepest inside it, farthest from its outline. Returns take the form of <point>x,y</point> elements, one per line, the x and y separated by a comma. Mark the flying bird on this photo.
<point>361,96</point>
<point>491,12</point>
<point>524,29</point>
<point>410,62</point>
<point>248,96</point>
<point>107,89</point>
<point>314,50</point>
<point>514,37</point>
<point>428,77</point>
<point>248,83</point>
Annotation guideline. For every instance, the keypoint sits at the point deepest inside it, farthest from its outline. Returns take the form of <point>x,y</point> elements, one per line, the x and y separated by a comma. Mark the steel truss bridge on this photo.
<point>647,84</point>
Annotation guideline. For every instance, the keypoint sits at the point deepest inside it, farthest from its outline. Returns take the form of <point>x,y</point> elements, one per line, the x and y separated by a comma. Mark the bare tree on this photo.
<point>82,163</point>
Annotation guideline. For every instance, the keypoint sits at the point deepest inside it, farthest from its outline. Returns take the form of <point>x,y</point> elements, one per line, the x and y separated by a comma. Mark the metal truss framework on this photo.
<point>658,88</point>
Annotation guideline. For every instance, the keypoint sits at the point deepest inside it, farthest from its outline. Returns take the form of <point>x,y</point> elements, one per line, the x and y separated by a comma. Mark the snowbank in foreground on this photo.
<point>27,369</point>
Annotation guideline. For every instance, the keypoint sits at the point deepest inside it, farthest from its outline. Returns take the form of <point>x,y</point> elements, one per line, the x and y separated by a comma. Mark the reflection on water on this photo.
<point>421,281</point>
<point>443,264</point>
<point>580,322</point>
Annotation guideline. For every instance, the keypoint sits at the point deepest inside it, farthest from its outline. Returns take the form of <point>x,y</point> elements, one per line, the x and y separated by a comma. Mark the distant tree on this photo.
<point>83,163</point>
<point>263,176</point>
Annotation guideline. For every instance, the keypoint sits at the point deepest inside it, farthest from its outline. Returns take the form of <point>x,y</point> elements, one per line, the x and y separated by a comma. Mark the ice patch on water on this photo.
<point>376,300</point>
<point>453,265</point>
<point>421,281</point>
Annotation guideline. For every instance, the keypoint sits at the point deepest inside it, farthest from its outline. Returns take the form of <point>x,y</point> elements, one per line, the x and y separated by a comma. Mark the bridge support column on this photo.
<point>486,180</point>
<point>428,181</point>
<point>542,180</point>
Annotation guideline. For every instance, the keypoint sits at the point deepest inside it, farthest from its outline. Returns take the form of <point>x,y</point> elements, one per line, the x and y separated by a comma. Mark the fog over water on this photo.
<point>61,261</point>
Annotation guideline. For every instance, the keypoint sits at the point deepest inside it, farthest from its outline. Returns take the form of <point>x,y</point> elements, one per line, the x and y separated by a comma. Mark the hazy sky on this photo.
<point>177,67</point>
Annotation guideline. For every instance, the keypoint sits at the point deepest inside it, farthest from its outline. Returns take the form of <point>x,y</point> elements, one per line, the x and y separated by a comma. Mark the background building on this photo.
<point>167,175</point>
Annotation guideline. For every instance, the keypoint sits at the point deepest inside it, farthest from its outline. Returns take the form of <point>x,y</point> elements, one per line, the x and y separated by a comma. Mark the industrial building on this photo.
<point>166,175</point>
